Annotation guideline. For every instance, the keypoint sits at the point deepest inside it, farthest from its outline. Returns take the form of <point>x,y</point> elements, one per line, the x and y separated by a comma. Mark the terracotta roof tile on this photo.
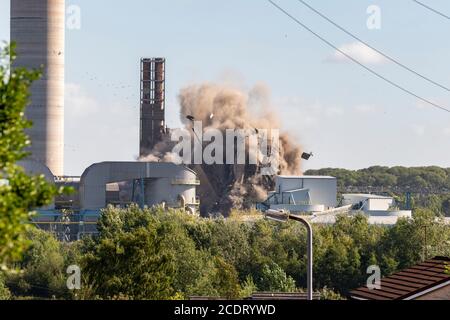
<point>408,282</point>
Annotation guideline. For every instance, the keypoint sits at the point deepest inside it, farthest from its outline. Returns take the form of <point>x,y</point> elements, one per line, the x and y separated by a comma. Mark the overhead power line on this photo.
<point>373,48</point>
<point>432,9</point>
<point>358,62</point>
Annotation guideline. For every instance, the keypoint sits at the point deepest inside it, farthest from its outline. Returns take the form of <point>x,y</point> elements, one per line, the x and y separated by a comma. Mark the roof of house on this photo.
<point>409,283</point>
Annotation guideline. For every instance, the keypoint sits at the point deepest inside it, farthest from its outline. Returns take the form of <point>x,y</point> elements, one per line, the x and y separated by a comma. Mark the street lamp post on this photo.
<point>282,216</point>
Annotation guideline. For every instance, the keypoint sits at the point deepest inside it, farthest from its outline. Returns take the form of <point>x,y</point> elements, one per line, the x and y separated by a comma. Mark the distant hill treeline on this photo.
<point>429,186</point>
<point>415,179</point>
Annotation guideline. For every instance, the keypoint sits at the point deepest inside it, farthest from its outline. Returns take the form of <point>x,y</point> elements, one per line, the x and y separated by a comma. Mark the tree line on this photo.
<point>415,178</point>
<point>155,254</point>
<point>158,254</point>
<point>429,186</point>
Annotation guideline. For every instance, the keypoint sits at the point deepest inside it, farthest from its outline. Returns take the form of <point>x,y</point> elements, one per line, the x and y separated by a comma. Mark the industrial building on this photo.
<point>149,184</point>
<point>375,205</point>
<point>153,183</point>
<point>380,210</point>
<point>114,183</point>
<point>317,196</point>
<point>153,96</point>
<point>302,194</point>
<point>37,28</point>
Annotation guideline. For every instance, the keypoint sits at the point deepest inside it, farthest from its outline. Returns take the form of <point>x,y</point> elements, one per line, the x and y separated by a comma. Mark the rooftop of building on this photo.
<point>409,283</point>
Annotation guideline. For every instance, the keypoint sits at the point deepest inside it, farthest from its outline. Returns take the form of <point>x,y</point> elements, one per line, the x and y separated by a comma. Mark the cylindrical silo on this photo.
<point>176,191</point>
<point>37,27</point>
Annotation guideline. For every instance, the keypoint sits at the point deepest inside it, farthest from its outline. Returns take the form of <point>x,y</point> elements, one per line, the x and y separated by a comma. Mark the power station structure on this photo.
<point>153,97</point>
<point>37,27</point>
<point>303,194</point>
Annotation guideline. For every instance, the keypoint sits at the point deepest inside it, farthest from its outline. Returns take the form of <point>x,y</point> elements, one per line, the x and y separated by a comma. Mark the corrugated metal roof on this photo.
<point>408,282</point>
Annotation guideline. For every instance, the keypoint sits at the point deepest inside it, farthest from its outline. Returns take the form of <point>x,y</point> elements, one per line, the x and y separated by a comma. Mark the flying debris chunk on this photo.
<point>190,118</point>
<point>307,156</point>
<point>211,116</point>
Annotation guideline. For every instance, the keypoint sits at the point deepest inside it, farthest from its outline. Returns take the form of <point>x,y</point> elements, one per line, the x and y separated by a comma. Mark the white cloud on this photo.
<point>332,138</point>
<point>79,103</point>
<point>306,119</point>
<point>364,108</point>
<point>97,129</point>
<point>422,105</point>
<point>418,129</point>
<point>311,109</point>
<point>358,51</point>
<point>333,111</point>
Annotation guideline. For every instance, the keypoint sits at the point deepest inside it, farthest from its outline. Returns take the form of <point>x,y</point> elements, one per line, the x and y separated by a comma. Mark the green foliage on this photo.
<point>248,287</point>
<point>148,254</point>
<point>157,254</point>
<point>127,258</point>
<point>5,294</point>
<point>43,268</point>
<point>429,186</point>
<point>19,193</point>
<point>225,279</point>
<point>274,279</point>
<point>418,239</point>
<point>432,178</point>
<point>327,294</point>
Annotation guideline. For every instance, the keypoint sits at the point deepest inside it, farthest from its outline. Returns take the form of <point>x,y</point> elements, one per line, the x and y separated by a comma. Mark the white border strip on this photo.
<point>428,290</point>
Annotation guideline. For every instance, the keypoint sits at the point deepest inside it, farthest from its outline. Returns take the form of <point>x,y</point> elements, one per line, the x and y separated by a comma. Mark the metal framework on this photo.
<point>67,227</point>
<point>152,124</point>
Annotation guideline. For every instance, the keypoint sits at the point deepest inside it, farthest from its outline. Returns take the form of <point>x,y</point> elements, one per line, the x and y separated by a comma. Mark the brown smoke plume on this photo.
<point>222,107</point>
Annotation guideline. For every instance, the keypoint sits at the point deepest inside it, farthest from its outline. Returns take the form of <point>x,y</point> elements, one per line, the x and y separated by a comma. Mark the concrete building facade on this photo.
<point>307,194</point>
<point>163,183</point>
<point>376,206</point>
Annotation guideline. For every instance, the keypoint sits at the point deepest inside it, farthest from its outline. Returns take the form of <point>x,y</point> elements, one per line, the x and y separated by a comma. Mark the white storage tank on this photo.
<point>177,191</point>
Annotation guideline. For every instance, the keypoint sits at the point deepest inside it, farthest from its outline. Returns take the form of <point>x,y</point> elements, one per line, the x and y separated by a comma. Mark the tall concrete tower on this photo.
<point>153,121</point>
<point>37,27</point>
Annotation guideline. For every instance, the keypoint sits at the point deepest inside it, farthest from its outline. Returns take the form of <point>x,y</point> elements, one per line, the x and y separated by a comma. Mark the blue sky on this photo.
<point>342,113</point>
